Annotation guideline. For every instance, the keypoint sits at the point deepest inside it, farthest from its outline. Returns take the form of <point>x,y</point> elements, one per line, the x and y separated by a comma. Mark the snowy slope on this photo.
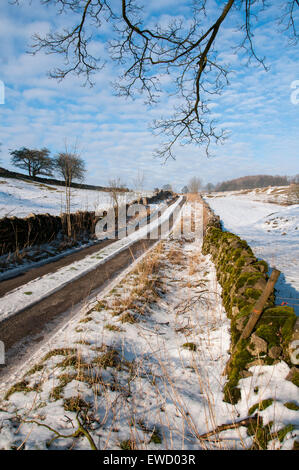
<point>20,198</point>
<point>272,194</point>
<point>271,230</point>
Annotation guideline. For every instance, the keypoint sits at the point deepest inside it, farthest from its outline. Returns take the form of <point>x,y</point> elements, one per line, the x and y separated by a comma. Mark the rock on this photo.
<point>235,311</point>
<point>257,345</point>
<point>245,373</point>
<point>293,349</point>
<point>293,374</point>
<point>275,352</point>
<point>240,323</point>
<point>260,284</point>
<point>257,362</point>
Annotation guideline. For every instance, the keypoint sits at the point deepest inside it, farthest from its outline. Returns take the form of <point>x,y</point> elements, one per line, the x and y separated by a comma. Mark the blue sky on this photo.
<point>113,133</point>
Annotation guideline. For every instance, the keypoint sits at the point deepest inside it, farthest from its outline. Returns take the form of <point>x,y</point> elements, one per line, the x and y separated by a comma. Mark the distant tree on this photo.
<point>185,190</point>
<point>194,185</point>
<point>210,187</point>
<point>116,188</point>
<point>36,162</point>
<point>251,182</point>
<point>167,187</point>
<point>294,179</point>
<point>70,166</point>
<point>138,183</point>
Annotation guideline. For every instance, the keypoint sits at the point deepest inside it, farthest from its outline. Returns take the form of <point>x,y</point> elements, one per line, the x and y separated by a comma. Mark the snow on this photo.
<point>271,230</point>
<point>20,198</point>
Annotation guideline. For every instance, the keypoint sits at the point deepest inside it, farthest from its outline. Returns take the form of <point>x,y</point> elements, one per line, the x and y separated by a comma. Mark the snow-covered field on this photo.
<point>272,194</point>
<point>271,230</point>
<point>20,198</point>
<point>143,363</point>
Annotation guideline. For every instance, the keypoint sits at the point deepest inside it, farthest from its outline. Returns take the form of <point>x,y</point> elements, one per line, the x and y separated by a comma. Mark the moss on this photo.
<point>295,378</point>
<point>262,405</point>
<point>156,437</point>
<point>276,326</point>
<point>281,434</point>
<point>232,394</point>
<point>262,266</point>
<point>190,346</point>
<point>291,405</point>
<point>250,279</point>
<point>127,445</point>
<point>239,360</point>
<point>28,293</point>
<point>253,293</point>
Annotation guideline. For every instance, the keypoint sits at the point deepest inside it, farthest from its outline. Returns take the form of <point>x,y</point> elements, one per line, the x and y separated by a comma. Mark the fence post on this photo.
<point>256,313</point>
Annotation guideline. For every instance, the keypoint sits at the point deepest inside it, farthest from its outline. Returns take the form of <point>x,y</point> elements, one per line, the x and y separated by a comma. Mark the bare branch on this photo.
<point>184,50</point>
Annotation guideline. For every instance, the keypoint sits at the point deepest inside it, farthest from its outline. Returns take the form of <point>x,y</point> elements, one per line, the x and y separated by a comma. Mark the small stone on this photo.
<point>275,352</point>
<point>235,311</point>
<point>293,374</point>
<point>259,345</point>
<point>240,323</point>
<point>245,373</point>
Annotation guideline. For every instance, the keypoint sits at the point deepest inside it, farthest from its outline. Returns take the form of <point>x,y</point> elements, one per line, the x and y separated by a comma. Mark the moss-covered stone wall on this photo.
<point>243,278</point>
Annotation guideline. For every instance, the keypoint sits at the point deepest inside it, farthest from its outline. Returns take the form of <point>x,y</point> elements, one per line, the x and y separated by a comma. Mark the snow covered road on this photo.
<point>39,288</point>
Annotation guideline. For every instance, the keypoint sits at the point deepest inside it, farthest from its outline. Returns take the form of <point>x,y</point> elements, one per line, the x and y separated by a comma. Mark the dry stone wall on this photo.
<point>243,278</point>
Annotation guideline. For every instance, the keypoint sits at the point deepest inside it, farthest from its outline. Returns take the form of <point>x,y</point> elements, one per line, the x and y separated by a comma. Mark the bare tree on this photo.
<point>167,187</point>
<point>187,51</point>
<point>138,183</point>
<point>116,188</point>
<point>70,166</point>
<point>210,187</point>
<point>194,185</point>
<point>36,162</point>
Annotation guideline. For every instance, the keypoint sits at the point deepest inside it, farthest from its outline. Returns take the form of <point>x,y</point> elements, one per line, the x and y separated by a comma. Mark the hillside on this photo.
<point>19,197</point>
<point>251,182</point>
<point>51,181</point>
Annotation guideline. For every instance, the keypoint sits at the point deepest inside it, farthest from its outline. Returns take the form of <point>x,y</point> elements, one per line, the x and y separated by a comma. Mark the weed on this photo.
<point>190,346</point>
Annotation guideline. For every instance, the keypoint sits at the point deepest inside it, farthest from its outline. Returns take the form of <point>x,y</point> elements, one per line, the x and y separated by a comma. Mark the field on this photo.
<point>20,198</point>
<point>272,231</point>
